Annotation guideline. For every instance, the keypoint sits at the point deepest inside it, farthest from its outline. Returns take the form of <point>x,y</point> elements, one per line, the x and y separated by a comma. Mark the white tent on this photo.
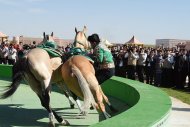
<point>106,42</point>
<point>3,37</point>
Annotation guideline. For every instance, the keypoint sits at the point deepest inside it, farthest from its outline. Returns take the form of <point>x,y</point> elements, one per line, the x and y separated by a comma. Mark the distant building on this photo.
<point>30,40</point>
<point>169,43</point>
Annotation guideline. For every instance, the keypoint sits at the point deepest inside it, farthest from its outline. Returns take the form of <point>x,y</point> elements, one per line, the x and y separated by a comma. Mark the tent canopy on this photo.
<point>134,41</point>
<point>2,35</point>
<point>106,42</point>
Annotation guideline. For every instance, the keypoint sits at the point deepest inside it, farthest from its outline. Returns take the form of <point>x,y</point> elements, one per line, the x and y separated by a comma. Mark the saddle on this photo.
<point>77,51</point>
<point>65,55</point>
<point>51,50</point>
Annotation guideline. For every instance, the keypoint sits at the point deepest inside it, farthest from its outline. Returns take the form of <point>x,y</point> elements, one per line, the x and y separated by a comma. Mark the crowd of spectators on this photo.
<point>156,66</point>
<point>10,52</point>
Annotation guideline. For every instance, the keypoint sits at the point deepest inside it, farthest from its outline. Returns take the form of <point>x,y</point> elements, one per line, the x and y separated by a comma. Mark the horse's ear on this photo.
<point>76,30</point>
<point>44,34</point>
<point>85,29</point>
<point>52,34</point>
<point>47,37</point>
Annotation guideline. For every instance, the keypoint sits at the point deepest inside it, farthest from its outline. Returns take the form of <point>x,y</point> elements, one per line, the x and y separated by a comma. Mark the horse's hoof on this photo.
<point>109,116</point>
<point>72,106</point>
<point>65,123</point>
<point>51,117</point>
<point>106,115</point>
<point>51,124</point>
<point>60,120</point>
<point>83,113</point>
<point>79,117</point>
<point>114,110</point>
<point>91,108</point>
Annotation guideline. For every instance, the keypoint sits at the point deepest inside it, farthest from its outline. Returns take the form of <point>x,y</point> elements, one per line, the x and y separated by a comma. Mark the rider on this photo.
<point>104,59</point>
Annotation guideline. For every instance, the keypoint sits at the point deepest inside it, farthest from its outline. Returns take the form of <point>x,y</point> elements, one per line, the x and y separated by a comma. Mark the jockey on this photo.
<point>104,59</point>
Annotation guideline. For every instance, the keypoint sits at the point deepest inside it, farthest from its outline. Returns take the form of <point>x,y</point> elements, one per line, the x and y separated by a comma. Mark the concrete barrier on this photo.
<point>149,106</point>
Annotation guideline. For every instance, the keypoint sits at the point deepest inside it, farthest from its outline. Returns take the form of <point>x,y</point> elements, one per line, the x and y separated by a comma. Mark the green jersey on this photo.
<point>103,54</point>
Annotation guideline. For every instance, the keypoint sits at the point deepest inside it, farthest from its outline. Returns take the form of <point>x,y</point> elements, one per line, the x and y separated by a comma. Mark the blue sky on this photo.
<point>115,20</point>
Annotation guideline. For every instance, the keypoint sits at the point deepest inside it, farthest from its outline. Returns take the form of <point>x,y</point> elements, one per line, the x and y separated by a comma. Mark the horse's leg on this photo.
<point>36,86</point>
<point>101,106</point>
<point>77,101</point>
<point>107,101</point>
<point>45,101</point>
<point>68,94</point>
<point>72,105</point>
<point>97,93</point>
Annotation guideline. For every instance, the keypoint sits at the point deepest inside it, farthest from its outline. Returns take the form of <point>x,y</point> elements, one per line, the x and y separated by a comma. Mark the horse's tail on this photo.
<point>17,76</point>
<point>88,97</point>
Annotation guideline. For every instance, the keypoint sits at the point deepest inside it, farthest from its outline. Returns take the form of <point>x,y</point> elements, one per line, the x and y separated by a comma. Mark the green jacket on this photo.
<point>103,54</point>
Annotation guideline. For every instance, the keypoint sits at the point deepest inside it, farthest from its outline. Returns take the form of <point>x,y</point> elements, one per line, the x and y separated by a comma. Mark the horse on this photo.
<point>82,42</point>
<point>79,75</point>
<point>81,39</point>
<point>37,68</point>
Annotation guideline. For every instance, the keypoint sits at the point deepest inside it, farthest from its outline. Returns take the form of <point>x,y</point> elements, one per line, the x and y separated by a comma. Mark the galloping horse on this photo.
<point>39,70</point>
<point>79,75</point>
<point>36,68</point>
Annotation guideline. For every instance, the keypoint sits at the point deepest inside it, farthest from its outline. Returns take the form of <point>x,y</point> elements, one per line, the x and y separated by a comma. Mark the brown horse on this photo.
<point>82,42</point>
<point>36,68</point>
<point>79,75</point>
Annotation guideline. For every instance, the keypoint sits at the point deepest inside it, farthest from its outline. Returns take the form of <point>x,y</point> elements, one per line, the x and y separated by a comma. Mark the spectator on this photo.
<point>4,53</point>
<point>167,69</point>
<point>141,65</point>
<point>119,66</point>
<point>33,45</point>
<point>132,62</point>
<point>67,49</point>
<point>184,72</point>
<point>12,55</point>
<point>158,68</point>
<point>178,69</point>
<point>150,68</point>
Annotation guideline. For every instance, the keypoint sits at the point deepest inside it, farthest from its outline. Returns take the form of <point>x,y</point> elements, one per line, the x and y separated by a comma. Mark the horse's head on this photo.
<point>48,37</point>
<point>49,41</point>
<point>81,39</point>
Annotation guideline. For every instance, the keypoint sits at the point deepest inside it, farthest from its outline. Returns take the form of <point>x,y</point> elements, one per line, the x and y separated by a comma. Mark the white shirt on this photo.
<point>12,54</point>
<point>5,51</point>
